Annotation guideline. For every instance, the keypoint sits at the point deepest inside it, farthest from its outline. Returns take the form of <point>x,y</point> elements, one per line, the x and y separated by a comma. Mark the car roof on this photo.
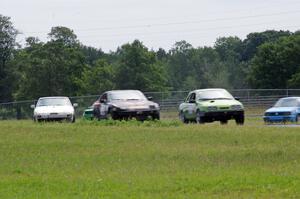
<point>208,89</point>
<point>53,97</point>
<point>298,98</point>
<point>115,91</point>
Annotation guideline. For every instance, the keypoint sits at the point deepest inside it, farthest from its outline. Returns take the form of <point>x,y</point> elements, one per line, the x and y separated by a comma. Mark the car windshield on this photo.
<point>127,95</point>
<point>213,94</point>
<point>287,103</point>
<point>53,102</point>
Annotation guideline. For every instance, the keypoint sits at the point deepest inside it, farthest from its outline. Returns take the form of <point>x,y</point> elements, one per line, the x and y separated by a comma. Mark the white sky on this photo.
<point>157,23</point>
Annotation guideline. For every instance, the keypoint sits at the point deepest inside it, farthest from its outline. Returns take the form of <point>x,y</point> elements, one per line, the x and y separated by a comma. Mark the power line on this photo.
<point>181,34</point>
<point>182,22</point>
<point>192,30</point>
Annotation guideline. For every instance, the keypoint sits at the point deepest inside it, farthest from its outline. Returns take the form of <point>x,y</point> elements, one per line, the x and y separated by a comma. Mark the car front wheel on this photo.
<point>240,120</point>
<point>199,119</point>
<point>223,122</point>
<point>155,116</point>
<point>182,117</point>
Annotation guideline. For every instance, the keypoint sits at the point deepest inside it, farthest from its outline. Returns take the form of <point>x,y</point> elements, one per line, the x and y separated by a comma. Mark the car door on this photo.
<point>189,108</point>
<point>103,104</point>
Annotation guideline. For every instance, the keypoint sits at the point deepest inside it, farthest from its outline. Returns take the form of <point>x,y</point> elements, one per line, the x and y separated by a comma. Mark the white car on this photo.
<point>54,108</point>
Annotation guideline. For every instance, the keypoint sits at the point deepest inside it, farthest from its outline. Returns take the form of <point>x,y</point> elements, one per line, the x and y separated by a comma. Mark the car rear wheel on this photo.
<point>112,115</point>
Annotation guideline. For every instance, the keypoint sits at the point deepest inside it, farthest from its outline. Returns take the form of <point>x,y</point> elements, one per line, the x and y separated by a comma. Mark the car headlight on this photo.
<point>236,107</point>
<point>154,106</point>
<point>212,108</point>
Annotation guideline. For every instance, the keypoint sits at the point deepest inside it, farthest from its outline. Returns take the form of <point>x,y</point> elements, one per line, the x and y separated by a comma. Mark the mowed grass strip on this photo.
<point>150,160</point>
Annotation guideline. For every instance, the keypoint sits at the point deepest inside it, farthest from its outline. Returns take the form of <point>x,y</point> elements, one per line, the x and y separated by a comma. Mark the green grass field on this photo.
<point>148,160</point>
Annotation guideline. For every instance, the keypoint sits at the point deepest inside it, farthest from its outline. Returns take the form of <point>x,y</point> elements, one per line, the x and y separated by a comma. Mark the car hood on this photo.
<point>282,109</point>
<point>132,104</point>
<point>54,109</point>
<point>219,102</point>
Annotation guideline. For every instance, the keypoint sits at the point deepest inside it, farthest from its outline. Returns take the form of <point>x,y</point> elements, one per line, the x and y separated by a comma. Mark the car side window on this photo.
<point>103,98</point>
<point>188,98</point>
<point>191,97</point>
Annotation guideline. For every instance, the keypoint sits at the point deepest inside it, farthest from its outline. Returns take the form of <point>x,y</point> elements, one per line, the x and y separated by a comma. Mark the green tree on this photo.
<point>277,64</point>
<point>229,49</point>
<point>7,45</point>
<point>91,54</point>
<point>63,35</point>
<point>179,66</point>
<point>254,40</point>
<point>138,68</point>
<point>53,68</point>
<point>98,78</point>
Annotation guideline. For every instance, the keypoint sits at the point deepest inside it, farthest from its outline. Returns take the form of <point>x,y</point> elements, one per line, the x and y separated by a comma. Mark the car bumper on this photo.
<point>88,115</point>
<point>135,113</point>
<point>220,115</point>
<point>53,116</point>
<point>287,118</point>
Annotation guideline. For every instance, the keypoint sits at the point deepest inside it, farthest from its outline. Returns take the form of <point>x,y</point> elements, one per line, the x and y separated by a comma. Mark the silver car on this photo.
<point>54,108</point>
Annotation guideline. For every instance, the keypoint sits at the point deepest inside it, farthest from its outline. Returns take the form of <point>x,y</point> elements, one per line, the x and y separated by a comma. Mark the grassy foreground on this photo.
<point>151,160</point>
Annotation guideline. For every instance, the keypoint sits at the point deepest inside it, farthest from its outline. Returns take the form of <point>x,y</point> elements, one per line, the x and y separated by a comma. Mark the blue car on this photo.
<point>285,110</point>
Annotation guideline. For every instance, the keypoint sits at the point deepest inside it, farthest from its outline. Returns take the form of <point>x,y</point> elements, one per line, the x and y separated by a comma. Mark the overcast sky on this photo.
<point>158,23</point>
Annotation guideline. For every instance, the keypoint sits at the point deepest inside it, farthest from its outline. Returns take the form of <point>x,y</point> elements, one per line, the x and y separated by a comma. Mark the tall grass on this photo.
<point>148,160</point>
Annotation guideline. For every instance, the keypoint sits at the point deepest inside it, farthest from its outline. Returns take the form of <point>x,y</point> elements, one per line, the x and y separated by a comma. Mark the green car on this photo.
<point>209,105</point>
<point>88,113</point>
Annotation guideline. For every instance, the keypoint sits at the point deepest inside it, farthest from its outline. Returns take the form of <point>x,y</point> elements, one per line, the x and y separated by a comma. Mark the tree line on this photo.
<point>64,66</point>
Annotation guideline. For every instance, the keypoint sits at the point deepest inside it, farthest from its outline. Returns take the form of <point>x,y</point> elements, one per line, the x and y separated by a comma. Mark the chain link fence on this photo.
<point>254,100</point>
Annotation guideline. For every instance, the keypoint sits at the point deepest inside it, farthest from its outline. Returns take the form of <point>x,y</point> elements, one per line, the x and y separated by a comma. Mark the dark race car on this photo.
<point>125,104</point>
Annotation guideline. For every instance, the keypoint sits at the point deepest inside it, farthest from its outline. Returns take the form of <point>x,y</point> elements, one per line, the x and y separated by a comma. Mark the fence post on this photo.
<point>19,112</point>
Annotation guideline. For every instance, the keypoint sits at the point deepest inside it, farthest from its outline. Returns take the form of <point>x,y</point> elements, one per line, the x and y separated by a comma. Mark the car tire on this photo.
<point>223,122</point>
<point>112,115</point>
<point>199,119</point>
<point>182,117</point>
<point>71,119</point>
<point>240,120</point>
<point>155,116</point>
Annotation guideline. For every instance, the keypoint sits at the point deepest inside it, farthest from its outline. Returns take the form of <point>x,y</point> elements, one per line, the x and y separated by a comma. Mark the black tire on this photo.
<point>71,119</point>
<point>112,115</point>
<point>240,120</point>
<point>199,119</point>
<point>298,118</point>
<point>182,118</point>
<point>223,122</point>
<point>155,116</point>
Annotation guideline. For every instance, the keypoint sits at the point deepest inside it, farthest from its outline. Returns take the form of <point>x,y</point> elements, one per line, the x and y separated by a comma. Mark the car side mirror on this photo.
<point>150,98</point>
<point>237,98</point>
<point>32,106</point>
<point>103,100</point>
<point>75,105</point>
